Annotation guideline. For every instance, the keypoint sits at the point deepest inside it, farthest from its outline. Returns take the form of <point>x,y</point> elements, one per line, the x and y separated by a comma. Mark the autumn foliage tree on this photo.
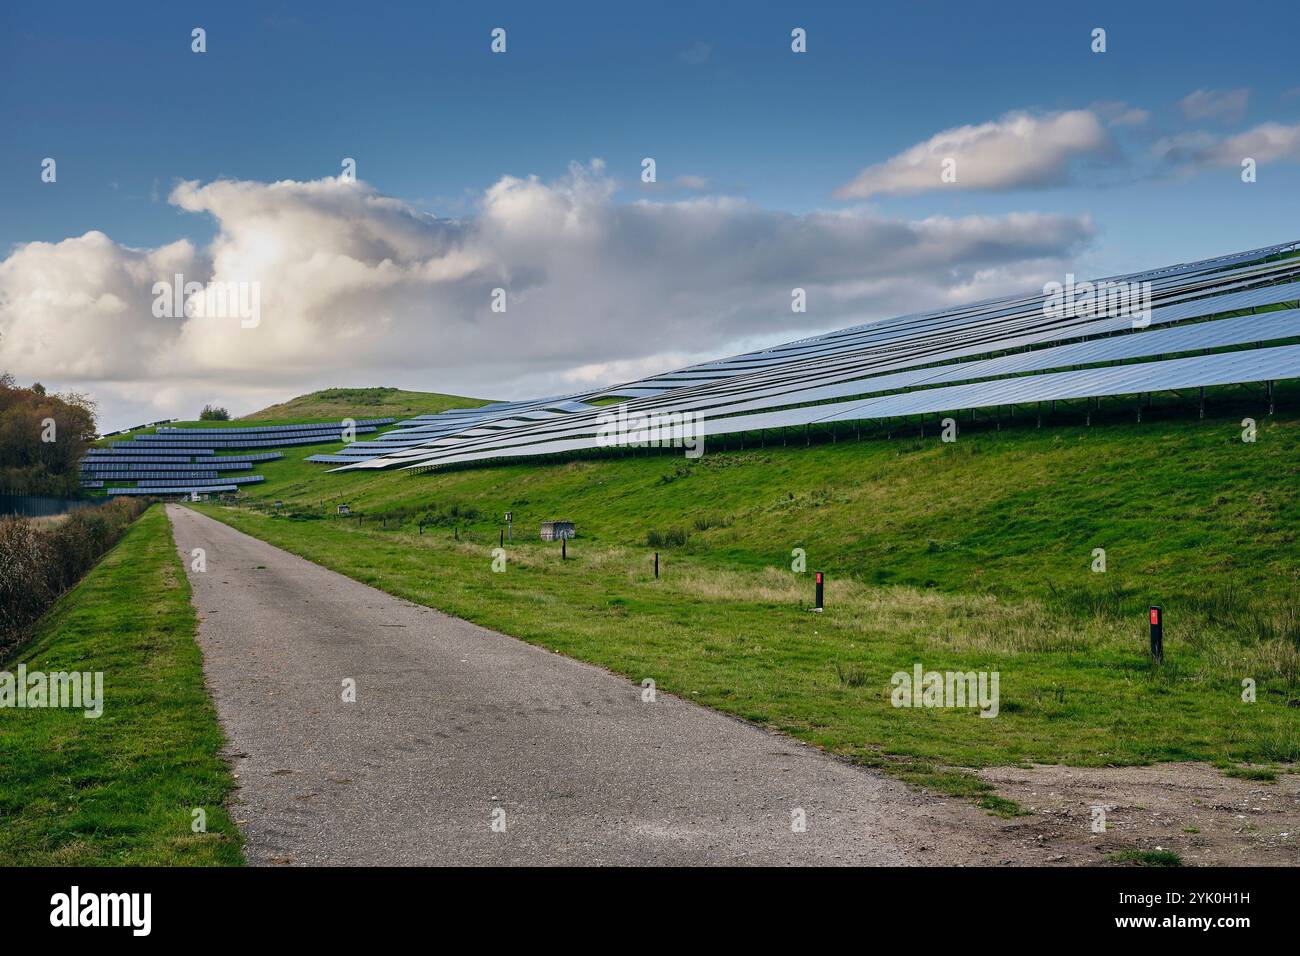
<point>43,438</point>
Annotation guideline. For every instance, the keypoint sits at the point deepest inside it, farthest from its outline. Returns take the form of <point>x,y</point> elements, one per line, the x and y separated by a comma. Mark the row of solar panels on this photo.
<point>265,438</point>
<point>173,480</point>
<point>172,490</point>
<point>127,431</point>
<point>422,428</point>
<point>288,430</point>
<point>186,483</point>
<point>98,456</point>
<point>1011,350</point>
<point>146,475</point>
<point>159,444</point>
<point>117,465</point>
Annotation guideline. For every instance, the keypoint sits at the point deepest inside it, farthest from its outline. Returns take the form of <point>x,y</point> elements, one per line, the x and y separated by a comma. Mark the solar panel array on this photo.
<point>1230,320</point>
<point>176,461</point>
<point>204,490</point>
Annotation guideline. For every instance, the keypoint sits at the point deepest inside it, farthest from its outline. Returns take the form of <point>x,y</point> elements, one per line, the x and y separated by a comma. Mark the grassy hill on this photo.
<point>328,405</point>
<point>972,555</point>
<point>337,403</point>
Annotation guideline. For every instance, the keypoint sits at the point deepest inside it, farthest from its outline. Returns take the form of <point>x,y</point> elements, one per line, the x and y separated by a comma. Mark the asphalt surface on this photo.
<point>456,728</point>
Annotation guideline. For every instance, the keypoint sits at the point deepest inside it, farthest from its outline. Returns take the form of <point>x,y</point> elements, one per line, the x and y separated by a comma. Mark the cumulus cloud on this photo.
<point>357,288</point>
<point>1020,150</point>
<point>1225,106</point>
<point>1265,143</point>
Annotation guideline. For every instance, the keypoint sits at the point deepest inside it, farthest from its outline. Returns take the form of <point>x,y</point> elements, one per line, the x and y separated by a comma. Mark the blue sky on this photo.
<point>711,91</point>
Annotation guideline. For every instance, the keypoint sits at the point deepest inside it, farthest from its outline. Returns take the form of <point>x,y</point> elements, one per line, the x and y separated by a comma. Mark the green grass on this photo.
<point>337,403</point>
<point>119,789</point>
<point>328,405</point>
<point>973,556</point>
<point>1000,806</point>
<point>1260,774</point>
<point>1147,857</point>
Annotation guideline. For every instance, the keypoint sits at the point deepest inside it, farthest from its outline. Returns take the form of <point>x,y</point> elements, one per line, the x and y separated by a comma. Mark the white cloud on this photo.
<point>1265,143</point>
<point>686,183</point>
<point>1019,150</point>
<point>1225,106</point>
<point>362,289</point>
<point>1119,113</point>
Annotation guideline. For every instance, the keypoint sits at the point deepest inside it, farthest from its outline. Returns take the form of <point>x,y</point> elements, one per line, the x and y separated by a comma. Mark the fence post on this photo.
<point>1157,634</point>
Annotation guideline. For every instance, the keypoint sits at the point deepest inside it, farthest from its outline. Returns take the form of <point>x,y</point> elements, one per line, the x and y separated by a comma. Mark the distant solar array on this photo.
<point>204,490</point>
<point>181,461</point>
<point>1229,320</point>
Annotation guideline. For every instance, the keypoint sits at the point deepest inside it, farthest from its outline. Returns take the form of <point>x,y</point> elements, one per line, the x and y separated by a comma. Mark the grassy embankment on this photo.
<point>967,556</point>
<point>328,405</point>
<point>332,404</point>
<point>119,789</point>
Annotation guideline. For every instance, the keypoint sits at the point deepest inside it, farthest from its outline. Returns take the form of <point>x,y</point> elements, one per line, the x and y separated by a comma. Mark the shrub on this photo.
<point>668,538</point>
<point>705,522</point>
<point>447,516</point>
<point>214,413</point>
<point>39,561</point>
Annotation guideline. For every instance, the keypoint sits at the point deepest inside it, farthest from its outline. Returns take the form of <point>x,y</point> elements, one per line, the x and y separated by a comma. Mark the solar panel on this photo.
<point>184,483</point>
<point>171,490</point>
<point>162,445</point>
<point>274,429</point>
<point>155,477</point>
<point>131,466</point>
<point>1001,351</point>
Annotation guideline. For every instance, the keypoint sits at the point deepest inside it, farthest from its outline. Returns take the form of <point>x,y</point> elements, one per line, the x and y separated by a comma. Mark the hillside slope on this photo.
<point>1181,505</point>
<point>976,555</point>
<point>337,403</point>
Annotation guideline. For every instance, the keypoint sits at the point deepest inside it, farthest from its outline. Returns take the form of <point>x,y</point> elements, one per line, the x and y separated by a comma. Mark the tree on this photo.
<point>42,438</point>
<point>214,413</point>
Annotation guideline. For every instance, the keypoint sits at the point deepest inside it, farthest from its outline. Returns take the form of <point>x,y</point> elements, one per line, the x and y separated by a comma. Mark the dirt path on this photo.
<point>455,726</point>
<point>1193,810</point>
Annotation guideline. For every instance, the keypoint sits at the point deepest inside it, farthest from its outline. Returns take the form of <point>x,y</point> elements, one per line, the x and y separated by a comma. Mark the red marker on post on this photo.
<point>1157,634</point>
<point>820,582</point>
